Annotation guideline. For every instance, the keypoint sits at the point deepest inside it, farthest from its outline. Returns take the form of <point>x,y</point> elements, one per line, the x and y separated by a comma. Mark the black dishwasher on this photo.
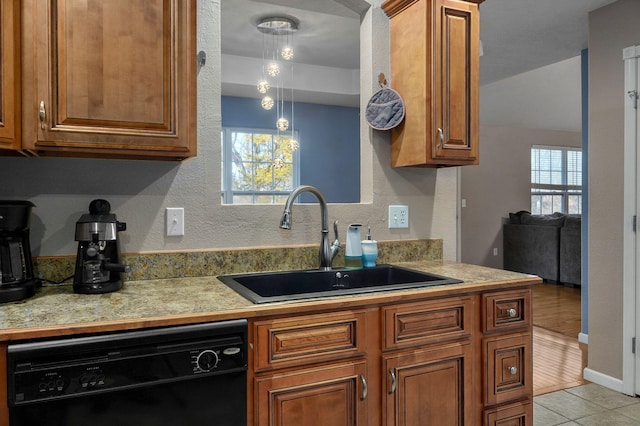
<point>188,375</point>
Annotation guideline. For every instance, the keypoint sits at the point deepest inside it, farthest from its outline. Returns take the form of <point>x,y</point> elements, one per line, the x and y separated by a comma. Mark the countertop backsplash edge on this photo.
<point>179,264</point>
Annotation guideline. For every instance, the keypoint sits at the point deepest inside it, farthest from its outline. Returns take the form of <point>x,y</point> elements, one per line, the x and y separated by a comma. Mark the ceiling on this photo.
<point>522,35</point>
<point>328,33</point>
<point>517,35</point>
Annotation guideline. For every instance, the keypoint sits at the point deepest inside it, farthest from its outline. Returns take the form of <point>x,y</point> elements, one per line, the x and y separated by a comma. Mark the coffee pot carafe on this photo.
<point>16,267</point>
<point>99,267</point>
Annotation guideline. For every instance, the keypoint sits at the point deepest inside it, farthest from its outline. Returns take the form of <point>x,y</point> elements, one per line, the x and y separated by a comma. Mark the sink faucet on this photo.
<point>327,253</point>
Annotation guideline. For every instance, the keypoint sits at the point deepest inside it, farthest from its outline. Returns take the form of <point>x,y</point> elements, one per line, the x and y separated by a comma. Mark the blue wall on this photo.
<point>329,139</point>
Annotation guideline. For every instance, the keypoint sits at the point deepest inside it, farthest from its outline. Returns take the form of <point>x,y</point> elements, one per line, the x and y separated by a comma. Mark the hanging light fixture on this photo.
<point>282,124</point>
<point>293,143</point>
<point>267,102</point>
<point>273,69</point>
<point>287,53</point>
<point>277,45</point>
<point>263,86</point>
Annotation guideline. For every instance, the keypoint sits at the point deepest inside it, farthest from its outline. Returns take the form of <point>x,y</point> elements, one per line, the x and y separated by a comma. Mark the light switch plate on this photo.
<point>398,216</point>
<point>175,221</point>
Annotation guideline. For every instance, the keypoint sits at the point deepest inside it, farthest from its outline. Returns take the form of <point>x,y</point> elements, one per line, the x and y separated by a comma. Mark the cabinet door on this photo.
<point>509,368</point>
<point>430,387</point>
<point>334,395</point>
<point>435,68</point>
<point>9,74</point>
<point>456,81</point>
<point>115,78</point>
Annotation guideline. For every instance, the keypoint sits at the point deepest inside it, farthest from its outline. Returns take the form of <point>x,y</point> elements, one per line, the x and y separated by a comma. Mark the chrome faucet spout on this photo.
<point>327,252</point>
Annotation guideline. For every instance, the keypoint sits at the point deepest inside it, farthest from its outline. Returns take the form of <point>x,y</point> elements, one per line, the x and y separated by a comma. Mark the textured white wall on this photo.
<point>544,98</point>
<point>139,191</point>
<point>539,107</point>
<point>611,29</point>
<point>499,185</point>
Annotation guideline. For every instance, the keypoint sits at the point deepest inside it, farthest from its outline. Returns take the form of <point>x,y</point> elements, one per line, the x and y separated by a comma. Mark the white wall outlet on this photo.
<point>495,251</point>
<point>175,221</point>
<point>398,216</point>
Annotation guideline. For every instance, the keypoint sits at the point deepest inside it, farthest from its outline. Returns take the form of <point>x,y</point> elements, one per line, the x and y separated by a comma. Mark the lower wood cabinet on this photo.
<point>429,387</point>
<point>508,368</point>
<point>335,395</point>
<point>510,415</point>
<point>507,358</point>
<point>455,360</point>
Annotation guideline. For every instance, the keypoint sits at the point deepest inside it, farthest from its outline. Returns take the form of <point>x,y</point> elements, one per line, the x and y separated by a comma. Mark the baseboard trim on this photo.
<point>603,380</point>
<point>583,338</point>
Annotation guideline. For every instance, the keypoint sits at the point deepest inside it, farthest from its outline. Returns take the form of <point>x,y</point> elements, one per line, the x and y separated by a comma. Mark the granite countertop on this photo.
<point>55,310</point>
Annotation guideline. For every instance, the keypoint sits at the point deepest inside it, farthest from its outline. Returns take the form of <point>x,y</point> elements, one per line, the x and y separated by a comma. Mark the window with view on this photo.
<point>258,166</point>
<point>556,180</point>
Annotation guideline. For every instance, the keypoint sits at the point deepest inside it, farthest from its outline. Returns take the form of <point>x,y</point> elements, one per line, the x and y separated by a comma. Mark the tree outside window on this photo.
<point>258,166</point>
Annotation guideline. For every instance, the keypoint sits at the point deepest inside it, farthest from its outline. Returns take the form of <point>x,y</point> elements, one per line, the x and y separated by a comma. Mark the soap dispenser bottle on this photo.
<point>369,250</point>
<point>353,251</point>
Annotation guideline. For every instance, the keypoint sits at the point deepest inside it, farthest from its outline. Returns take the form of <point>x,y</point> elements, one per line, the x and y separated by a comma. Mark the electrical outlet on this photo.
<point>495,251</point>
<point>398,216</point>
<point>175,221</point>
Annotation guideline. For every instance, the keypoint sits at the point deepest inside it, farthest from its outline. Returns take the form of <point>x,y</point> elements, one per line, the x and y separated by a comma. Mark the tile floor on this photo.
<point>586,405</point>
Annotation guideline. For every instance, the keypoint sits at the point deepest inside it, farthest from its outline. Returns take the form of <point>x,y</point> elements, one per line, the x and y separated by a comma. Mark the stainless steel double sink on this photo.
<point>304,284</point>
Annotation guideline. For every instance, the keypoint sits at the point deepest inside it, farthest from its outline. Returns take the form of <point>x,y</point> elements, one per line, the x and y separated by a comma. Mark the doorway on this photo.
<point>631,238</point>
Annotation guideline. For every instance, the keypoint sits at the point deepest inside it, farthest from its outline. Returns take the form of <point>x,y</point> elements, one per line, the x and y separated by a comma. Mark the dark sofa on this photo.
<point>543,245</point>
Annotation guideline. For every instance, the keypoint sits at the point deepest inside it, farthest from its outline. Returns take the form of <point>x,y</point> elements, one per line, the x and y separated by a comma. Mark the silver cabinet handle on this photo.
<point>42,114</point>
<point>441,136</point>
<point>513,370</point>
<point>393,380</point>
<point>512,313</point>
<point>365,390</point>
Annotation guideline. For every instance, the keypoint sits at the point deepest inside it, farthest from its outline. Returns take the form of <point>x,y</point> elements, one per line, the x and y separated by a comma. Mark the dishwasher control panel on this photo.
<point>56,369</point>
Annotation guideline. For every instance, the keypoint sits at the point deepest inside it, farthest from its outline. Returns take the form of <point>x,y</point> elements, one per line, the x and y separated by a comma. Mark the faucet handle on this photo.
<point>335,246</point>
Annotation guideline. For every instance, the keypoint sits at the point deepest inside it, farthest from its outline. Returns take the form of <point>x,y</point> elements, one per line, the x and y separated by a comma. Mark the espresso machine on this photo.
<point>99,268</point>
<point>16,266</point>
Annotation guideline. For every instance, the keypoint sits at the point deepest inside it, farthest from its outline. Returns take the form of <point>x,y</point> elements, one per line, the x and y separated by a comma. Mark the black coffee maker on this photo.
<point>98,264</point>
<point>16,267</point>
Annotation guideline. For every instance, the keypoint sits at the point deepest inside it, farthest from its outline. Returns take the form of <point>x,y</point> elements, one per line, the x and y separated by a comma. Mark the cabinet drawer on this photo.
<point>434,321</point>
<point>509,368</point>
<point>520,414</point>
<point>507,309</point>
<point>308,339</point>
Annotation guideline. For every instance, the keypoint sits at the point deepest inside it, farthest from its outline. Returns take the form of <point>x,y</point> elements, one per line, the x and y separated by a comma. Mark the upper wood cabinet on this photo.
<point>112,79</point>
<point>10,74</point>
<point>435,68</point>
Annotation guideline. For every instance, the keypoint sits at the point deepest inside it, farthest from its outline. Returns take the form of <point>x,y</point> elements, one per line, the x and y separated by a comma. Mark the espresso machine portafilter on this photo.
<point>99,267</point>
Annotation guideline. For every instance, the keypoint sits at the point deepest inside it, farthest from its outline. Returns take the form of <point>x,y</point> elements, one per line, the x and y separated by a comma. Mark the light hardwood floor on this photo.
<point>558,358</point>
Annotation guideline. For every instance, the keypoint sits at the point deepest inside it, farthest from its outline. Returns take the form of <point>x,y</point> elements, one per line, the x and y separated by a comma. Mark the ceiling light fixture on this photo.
<point>277,50</point>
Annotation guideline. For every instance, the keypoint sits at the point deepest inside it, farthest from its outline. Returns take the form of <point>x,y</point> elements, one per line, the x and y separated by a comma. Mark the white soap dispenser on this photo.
<point>353,251</point>
<point>369,250</point>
